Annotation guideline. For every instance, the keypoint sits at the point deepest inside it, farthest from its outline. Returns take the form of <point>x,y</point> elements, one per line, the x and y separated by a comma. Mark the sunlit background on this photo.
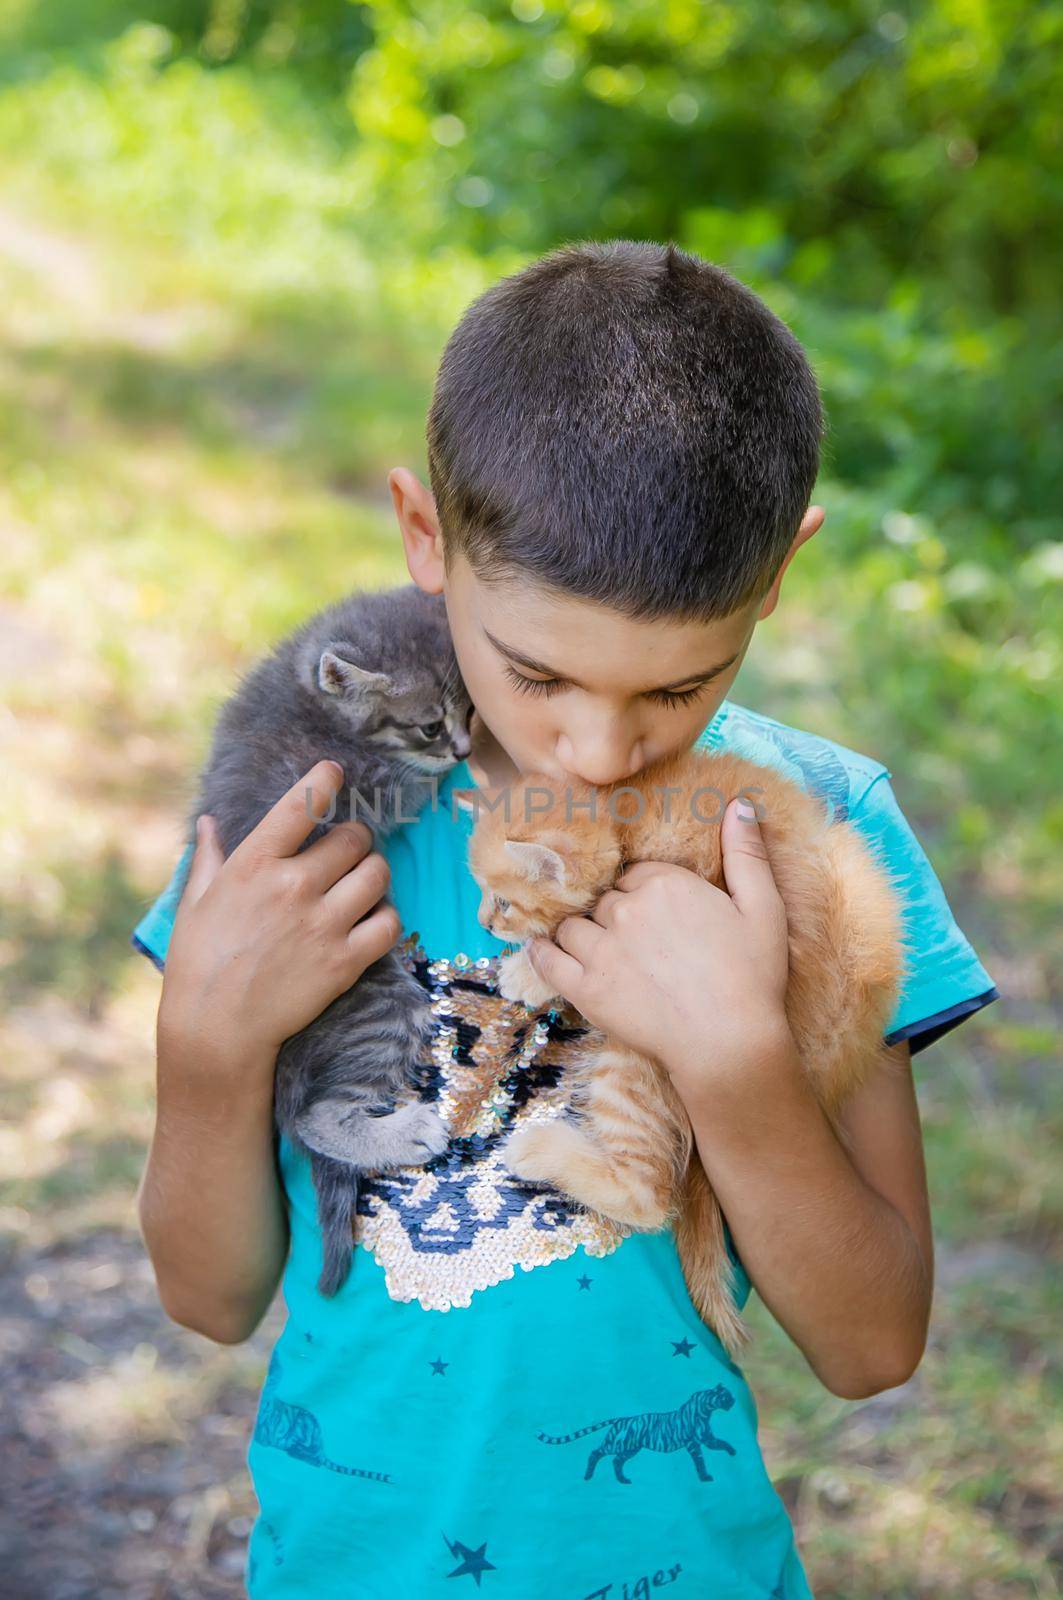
<point>234,235</point>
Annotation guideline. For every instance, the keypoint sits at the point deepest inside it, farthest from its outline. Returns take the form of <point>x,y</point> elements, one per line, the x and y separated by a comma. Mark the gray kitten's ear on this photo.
<point>335,675</point>
<point>537,862</point>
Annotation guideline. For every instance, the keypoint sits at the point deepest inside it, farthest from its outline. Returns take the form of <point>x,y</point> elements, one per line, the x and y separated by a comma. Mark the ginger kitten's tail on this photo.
<point>707,1267</point>
<point>865,934</point>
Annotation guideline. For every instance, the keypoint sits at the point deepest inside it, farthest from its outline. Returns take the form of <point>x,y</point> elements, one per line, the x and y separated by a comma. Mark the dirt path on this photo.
<point>94,1504</point>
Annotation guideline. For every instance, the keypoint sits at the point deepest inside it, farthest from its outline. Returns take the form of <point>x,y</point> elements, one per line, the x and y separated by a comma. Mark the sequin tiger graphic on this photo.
<point>688,1428</point>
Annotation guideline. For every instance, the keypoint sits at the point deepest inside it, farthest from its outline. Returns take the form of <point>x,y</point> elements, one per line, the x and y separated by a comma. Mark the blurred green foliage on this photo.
<point>347,177</point>
<point>841,144</point>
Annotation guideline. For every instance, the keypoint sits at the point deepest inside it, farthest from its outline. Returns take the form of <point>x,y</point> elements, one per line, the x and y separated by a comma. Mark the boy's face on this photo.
<point>573,690</point>
<point>565,686</point>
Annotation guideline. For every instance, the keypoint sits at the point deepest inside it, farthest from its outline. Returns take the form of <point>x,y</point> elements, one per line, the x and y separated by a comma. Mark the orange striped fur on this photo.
<point>630,1153</point>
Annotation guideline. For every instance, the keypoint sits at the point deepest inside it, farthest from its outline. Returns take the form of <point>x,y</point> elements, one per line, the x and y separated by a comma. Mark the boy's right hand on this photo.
<point>265,939</point>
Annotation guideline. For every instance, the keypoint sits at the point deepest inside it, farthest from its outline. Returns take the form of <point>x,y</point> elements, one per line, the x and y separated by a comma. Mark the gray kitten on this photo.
<point>373,683</point>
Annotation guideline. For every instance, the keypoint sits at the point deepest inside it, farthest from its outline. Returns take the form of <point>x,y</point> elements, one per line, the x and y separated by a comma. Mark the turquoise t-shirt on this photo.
<point>509,1393</point>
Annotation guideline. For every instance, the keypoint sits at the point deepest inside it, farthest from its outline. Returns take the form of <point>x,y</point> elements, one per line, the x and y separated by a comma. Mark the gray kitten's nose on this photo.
<point>461,743</point>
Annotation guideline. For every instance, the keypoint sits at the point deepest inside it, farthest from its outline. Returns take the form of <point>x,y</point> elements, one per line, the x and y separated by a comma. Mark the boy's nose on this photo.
<point>601,760</point>
<point>600,771</point>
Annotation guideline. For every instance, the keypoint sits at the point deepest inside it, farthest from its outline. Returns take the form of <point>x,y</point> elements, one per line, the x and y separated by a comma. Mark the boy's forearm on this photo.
<point>210,1202</point>
<point>834,1262</point>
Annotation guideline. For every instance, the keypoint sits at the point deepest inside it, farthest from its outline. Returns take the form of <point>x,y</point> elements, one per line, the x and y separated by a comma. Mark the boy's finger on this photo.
<point>375,934</point>
<point>206,862</point>
<point>296,814</point>
<point>358,888</point>
<point>331,857</point>
<point>641,872</point>
<point>746,864</point>
<point>607,904</point>
<point>562,972</point>
<point>579,936</point>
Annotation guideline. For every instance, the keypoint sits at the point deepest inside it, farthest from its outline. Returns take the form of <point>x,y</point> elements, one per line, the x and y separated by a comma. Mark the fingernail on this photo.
<point>746,810</point>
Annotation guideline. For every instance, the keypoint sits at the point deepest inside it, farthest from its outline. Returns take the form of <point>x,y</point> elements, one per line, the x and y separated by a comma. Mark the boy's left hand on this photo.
<point>678,969</point>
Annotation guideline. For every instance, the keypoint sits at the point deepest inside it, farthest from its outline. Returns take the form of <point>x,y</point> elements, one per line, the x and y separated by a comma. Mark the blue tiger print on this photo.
<point>688,1428</point>
<point>294,1429</point>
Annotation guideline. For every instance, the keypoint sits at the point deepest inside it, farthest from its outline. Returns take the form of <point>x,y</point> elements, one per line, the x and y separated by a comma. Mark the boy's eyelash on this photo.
<point>674,697</point>
<point>550,686</point>
<point>532,685</point>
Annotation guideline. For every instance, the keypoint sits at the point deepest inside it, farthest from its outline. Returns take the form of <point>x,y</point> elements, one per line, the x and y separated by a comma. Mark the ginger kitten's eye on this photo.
<point>500,904</point>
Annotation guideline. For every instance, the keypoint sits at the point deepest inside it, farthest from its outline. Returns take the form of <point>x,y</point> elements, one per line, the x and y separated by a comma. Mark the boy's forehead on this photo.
<point>581,639</point>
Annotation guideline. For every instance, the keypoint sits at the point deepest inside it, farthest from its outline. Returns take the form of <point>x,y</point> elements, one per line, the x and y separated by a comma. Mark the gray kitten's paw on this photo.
<point>407,1137</point>
<point>518,980</point>
<point>411,1136</point>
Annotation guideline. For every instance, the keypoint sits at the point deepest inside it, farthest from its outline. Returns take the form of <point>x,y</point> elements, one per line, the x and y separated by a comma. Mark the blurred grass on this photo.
<point>212,348</point>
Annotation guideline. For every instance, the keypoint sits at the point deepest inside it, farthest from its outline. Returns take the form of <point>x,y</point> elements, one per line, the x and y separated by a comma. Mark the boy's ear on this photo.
<point>422,538</point>
<point>811,523</point>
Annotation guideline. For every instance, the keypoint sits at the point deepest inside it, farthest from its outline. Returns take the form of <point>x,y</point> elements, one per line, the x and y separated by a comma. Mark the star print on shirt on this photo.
<point>584,1282</point>
<point>474,1563</point>
<point>682,1347</point>
<point>439,1366</point>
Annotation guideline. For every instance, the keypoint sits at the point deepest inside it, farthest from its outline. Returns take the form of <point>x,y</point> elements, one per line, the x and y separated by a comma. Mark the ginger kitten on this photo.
<point>629,1151</point>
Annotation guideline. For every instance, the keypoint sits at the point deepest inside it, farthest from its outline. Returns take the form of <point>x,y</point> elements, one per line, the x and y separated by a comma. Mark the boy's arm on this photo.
<point>856,1220</point>
<point>261,943</point>
<point>210,1203</point>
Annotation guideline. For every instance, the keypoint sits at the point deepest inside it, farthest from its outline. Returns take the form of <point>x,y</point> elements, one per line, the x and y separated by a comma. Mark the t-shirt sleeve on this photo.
<point>151,936</point>
<point>945,982</point>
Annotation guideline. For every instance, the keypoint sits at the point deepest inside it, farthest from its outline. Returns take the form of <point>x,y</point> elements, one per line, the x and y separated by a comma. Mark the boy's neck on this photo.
<point>487,761</point>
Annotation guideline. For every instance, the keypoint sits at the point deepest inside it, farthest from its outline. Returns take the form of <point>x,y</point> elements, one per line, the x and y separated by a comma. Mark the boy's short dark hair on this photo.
<point>628,423</point>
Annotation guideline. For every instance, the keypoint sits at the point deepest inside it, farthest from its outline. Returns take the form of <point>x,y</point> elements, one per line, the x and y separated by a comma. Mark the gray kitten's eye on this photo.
<point>432,730</point>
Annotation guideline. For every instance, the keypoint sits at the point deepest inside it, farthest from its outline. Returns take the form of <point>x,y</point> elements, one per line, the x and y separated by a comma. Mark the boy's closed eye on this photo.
<point>549,686</point>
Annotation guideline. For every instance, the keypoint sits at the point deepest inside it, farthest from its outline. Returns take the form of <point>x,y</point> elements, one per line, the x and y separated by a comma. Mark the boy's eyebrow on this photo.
<point>522,660</point>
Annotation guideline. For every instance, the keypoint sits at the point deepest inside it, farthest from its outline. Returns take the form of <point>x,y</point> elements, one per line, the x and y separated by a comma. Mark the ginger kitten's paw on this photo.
<point>561,1154</point>
<point>518,980</point>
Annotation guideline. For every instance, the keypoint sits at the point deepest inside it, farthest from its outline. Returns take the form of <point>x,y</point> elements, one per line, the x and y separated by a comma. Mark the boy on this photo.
<point>623,442</point>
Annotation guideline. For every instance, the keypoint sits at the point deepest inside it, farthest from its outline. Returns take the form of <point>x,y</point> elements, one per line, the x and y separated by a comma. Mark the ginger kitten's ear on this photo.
<point>537,862</point>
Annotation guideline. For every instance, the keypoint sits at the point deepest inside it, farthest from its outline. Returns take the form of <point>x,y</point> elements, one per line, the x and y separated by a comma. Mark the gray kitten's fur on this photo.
<point>355,684</point>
